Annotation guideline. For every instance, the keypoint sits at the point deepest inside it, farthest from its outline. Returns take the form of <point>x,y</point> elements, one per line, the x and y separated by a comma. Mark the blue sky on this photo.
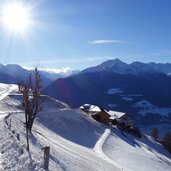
<point>83,33</point>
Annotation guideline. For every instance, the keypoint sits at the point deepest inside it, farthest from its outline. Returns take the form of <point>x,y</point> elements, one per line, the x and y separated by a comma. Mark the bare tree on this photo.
<point>155,133</point>
<point>167,141</point>
<point>31,92</point>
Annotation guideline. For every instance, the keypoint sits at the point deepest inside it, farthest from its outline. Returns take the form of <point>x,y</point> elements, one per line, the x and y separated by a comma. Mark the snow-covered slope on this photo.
<point>136,154</point>
<point>77,142</point>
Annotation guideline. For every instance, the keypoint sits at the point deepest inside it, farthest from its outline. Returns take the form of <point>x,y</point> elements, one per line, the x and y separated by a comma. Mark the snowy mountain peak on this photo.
<point>115,65</point>
<point>114,62</point>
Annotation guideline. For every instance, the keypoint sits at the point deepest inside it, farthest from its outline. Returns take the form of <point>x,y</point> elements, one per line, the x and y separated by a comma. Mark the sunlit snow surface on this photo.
<point>137,154</point>
<point>77,142</point>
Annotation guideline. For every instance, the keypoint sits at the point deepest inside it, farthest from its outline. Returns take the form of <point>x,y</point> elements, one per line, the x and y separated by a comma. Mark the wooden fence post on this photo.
<point>9,124</point>
<point>46,157</point>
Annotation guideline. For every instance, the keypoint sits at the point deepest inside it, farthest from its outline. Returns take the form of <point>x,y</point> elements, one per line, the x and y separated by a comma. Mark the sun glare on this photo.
<point>15,17</point>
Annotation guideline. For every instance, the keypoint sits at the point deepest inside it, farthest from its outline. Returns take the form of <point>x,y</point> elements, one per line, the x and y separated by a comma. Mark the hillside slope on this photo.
<point>76,141</point>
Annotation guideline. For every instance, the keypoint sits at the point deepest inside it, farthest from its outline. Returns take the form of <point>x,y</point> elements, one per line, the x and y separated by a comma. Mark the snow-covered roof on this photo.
<point>90,108</point>
<point>94,108</point>
<point>86,105</point>
<point>116,114</point>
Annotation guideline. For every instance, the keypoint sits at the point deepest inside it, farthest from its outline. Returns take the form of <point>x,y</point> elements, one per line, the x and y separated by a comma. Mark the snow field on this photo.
<point>77,142</point>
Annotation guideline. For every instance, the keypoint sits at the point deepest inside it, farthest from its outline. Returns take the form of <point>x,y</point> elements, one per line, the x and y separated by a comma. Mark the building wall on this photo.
<point>104,117</point>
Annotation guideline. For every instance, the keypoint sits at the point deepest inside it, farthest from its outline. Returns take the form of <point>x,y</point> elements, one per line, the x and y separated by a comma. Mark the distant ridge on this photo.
<point>13,73</point>
<point>135,68</point>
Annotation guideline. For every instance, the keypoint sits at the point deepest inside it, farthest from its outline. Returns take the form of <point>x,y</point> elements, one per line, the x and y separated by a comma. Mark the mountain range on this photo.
<point>134,68</point>
<point>12,74</point>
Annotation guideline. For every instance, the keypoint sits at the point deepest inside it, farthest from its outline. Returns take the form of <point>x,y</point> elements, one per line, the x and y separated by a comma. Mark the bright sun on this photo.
<point>15,17</point>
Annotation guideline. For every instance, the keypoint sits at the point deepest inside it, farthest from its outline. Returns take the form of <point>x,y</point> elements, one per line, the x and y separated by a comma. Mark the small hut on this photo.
<point>96,112</point>
<point>120,118</point>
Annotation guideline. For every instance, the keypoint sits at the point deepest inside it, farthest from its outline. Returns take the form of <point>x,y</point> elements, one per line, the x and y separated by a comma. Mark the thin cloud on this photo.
<point>62,70</point>
<point>107,41</point>
<point>51,70</point>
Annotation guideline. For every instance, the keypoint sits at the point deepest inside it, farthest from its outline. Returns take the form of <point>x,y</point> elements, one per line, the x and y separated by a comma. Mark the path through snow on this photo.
<point>98,148</point>
<point>6,92</point>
